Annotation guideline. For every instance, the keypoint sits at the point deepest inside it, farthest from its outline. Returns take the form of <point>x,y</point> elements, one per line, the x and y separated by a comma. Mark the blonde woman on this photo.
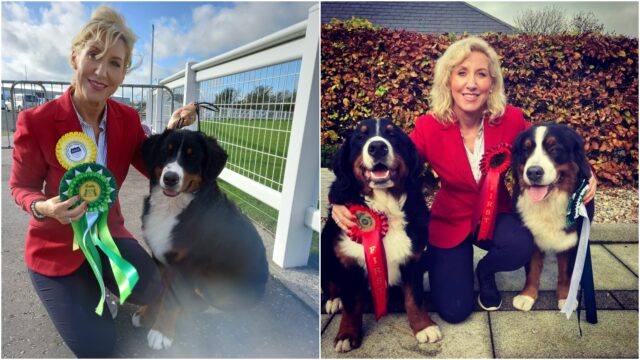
<point>100,57</point>
<point>469,115</point>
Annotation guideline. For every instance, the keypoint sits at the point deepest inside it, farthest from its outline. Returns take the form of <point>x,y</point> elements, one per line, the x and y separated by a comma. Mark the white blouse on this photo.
<point>474,157</point>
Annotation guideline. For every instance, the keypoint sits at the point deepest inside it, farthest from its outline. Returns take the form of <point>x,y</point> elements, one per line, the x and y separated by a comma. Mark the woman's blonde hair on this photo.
<point>107,27</point>
<point>440,99</point>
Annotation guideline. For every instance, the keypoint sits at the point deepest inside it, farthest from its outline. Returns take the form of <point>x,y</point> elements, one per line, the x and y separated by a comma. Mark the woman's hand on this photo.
<point>185,113</point>
<point>60,210</point>
<point>591,192</point>
<point>343,217</point>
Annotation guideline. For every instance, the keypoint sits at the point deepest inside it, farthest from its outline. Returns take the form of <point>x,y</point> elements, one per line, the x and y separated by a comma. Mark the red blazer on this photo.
<point>48,248</point>
<point>442,147</point>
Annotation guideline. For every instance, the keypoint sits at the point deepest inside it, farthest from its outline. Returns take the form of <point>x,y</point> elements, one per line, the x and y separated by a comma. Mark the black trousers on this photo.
<point>71,300</point>
<point>451,270</point>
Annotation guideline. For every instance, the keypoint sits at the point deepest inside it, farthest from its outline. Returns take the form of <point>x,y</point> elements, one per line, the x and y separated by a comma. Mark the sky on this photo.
<point>39,34</point>
<point>620,17</point>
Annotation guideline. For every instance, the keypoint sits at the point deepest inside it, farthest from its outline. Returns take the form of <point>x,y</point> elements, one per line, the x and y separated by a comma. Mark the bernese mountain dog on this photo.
<point>549,165</point>
<point>209,253</point>
<point>377,167</point>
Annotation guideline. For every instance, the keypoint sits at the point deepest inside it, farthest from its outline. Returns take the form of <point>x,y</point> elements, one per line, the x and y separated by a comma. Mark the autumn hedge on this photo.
<point>589,82</point>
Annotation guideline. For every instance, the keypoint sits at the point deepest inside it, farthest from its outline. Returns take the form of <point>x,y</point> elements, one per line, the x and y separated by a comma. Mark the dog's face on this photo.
<point>182,161</point>
<point>548,157</point>
<point>378,154</point>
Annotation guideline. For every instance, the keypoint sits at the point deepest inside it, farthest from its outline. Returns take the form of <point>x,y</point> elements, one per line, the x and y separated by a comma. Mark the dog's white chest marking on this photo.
<point>163,214</point>
<point>397,244</point>
<point>546,220</point>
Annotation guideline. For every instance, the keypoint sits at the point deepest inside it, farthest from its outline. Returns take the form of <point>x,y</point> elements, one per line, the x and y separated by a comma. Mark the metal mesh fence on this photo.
<point>167,109</point>
<point>21,95</point>
<point>254,121</point>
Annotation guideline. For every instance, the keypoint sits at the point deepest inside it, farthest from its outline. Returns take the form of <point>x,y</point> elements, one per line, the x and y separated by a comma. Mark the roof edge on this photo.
<point>513,28</point>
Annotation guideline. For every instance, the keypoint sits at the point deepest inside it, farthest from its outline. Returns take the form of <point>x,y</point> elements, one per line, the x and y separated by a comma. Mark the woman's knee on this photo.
<point>455,312</point>
<point>513,236</point>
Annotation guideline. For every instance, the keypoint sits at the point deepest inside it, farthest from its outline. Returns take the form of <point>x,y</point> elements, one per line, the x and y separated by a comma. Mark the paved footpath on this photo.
<point>283,325</point>
<point>508,333</point>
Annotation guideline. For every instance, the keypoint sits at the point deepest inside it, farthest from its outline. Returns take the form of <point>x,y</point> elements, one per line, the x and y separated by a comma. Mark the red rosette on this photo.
<point>493,163</point>
<point>371,227</point>
<point>497,158</point>
<point>367,220</point>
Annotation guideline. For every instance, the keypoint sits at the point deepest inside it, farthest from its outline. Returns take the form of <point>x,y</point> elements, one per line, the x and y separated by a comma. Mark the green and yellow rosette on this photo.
<point>75,148</point>
<point>96,185</point>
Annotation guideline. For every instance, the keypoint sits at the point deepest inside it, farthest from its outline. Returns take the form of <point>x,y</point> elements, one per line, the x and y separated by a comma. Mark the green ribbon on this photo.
<point>96,185</point>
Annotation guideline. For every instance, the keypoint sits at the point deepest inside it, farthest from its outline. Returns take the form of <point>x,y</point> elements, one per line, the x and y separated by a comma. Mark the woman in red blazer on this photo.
<point>63,279</point>
<point>469,115</point>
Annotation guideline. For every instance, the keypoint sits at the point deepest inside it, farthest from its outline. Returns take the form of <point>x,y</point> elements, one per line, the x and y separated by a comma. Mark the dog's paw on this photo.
<point>158,341</point>
<point>135,319</point>
<point>561,303</point>
<point>523,302</point>
<point>343,345</point>
<point>430,334</point>
<point>333,305</point>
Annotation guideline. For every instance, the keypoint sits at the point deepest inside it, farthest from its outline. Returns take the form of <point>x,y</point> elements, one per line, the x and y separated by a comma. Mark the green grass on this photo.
<point>266,216</point>
<point>257,148</point>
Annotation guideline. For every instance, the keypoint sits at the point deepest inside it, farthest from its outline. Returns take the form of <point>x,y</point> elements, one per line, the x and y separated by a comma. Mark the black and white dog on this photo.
<point>208,251</point>
<point>549,165</point>
<point>378,167</point>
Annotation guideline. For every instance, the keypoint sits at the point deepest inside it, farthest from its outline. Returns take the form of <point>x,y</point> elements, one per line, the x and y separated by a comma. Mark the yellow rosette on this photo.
<point>75,148</point>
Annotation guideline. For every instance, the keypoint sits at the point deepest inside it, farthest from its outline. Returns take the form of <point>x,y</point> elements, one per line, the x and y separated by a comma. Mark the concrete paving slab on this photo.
<point>391,337</point>
<point>548,334</point>
<point>627,298</point>
<point>325,319</point>
<point>614,232</point>
<point>547,300</point>
<point>627,253</point>
<point>609,273</point>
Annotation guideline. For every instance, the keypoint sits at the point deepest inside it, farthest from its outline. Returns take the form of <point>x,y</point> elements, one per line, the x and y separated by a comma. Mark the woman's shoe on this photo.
<point>489,297</point>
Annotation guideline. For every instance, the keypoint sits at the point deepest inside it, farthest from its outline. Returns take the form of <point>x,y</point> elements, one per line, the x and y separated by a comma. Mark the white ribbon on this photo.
<point>583,243</point>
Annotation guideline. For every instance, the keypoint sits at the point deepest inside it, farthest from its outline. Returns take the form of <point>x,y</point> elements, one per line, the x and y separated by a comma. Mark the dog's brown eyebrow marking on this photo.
<point>189,151</point>
<point>363,129</point>
<point>527,143</point>
<point>389,127</point>
<point>551,140</point>
<point>170,147</point>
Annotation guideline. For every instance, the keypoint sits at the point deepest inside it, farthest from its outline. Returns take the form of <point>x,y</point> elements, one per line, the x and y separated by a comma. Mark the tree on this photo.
<point>546,21</point>
<point>227,96</point>
<point>585,22</point>
<point>257,97</point>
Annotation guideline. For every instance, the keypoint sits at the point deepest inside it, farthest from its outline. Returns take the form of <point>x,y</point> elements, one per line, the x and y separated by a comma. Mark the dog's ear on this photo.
<point>416,163</point>
<point>215,158</point>
<point>580,157</point>
<point>345,186</point>
<point>516,160</point>
<point>150,150</point>
<point>341,165</point>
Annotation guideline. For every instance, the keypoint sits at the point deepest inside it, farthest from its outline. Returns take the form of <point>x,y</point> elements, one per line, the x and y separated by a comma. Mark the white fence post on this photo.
<point>157,106</point>
<point>190,90</point>
<point>301,177</point>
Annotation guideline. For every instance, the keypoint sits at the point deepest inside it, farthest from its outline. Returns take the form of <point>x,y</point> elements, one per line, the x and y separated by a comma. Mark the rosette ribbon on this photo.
<point>96,185</point>
<point>370,229</point>
<point>582,275</point>
<point>493,163</point>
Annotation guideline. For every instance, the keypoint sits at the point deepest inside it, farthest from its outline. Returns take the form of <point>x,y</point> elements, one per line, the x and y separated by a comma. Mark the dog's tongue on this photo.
<point>169,192</point>
<point>537,193</point>
<point>381,173</point>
